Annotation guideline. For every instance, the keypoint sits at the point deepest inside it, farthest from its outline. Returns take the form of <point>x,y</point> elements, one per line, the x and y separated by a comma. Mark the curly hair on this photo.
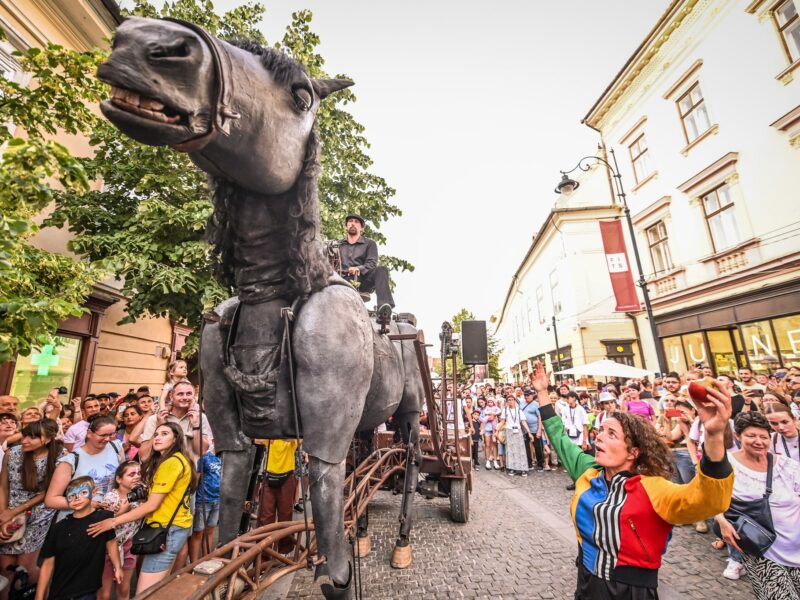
<point>750,419</point>
<point>655,457</point>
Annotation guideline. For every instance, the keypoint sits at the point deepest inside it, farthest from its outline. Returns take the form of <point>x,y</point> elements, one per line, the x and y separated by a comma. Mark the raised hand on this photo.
<point>715,411</point>
<point>540,379</point>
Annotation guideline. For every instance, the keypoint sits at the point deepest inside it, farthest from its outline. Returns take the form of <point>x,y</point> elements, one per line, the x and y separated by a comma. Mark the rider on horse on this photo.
<point>360,262</point>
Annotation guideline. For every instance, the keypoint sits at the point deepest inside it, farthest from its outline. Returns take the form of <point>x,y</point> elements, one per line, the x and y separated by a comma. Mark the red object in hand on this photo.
<point>698,390</point>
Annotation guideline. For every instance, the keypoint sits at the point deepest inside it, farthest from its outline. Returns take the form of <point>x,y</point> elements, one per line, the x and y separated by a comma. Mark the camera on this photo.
<point>137,493</point>
<point>62,389</point>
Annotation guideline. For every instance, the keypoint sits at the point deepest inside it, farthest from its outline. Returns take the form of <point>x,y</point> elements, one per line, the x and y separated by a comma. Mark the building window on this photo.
<point>555,293</point>
<point>788,24</point>
<point>721,218</point>
<point>762,351</point>
<point>659,248</point>
<point>640,159</point>
<point>694,116</point>
<point>540,304</point>
<point>529,310</point>
<point>620,351</point>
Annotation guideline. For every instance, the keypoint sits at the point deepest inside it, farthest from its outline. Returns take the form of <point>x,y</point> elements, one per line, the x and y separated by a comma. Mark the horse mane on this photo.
<point>308,269</point>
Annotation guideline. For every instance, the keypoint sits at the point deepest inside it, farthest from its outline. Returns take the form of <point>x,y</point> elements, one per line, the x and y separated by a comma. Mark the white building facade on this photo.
<point>564,276</point>
<point>705,121</point>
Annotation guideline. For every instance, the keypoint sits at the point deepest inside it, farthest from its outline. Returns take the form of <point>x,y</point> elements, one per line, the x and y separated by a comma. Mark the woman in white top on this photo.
<point>513,421</point>
<point>785,439</point>
<point>98,458</point>
<point>776,575</point>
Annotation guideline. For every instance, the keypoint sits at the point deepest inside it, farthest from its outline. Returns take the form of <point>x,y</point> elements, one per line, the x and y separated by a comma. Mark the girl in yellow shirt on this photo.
<point>170,478</point>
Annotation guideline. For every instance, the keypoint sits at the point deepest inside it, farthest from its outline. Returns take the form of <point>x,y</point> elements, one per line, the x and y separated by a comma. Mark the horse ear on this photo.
<point>326,87</point>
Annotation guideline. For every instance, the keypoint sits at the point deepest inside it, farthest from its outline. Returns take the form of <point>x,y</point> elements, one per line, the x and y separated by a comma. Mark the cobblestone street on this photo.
<point>519,543</point>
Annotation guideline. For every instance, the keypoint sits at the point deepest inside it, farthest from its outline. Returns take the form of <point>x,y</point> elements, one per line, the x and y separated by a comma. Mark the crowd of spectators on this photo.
<point>80,479</point>
<point>505,422</point>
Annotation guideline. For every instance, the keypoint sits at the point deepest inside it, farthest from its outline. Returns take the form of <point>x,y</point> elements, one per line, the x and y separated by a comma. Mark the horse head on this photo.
<point>243,112</point>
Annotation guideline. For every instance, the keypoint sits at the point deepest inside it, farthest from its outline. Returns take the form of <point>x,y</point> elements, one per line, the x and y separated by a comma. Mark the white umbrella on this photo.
<point>607,368</point>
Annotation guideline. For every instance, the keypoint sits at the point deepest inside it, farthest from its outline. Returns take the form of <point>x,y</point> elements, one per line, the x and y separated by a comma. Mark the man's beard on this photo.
<point>352,231</point>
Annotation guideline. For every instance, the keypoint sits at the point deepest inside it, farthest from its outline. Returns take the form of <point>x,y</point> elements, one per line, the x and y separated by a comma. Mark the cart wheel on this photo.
<point>459,501</point>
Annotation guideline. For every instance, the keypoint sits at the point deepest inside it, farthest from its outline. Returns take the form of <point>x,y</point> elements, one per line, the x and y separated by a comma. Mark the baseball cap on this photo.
<point>607,397</point>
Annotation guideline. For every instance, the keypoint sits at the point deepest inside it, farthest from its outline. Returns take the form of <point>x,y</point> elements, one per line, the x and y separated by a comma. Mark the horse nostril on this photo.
<point>175,49</point>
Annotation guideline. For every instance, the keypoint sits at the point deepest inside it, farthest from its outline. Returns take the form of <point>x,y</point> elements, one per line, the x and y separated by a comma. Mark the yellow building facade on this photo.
<point>96,354</point>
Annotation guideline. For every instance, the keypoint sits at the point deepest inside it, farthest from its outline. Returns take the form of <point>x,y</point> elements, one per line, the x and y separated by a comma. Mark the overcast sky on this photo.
<point>471,109</point>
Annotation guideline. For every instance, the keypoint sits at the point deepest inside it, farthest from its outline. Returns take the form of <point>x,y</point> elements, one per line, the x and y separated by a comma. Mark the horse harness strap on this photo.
<point>288,315</point>
<point>221,112</point>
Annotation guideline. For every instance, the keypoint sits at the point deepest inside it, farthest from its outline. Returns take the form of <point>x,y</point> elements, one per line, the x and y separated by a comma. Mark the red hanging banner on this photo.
<point>619,266</point>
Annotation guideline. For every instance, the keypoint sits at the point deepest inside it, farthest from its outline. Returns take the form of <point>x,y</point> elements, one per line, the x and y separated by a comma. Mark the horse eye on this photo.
<point>302,98</point>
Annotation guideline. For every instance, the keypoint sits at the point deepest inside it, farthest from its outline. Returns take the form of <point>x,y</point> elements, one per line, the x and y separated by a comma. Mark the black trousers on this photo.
<point>377,281</point>
<point>537,448</point>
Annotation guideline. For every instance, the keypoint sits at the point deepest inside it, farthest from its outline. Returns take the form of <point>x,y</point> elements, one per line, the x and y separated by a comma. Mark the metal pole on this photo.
<point>642,281</point>
<point>558,353</point>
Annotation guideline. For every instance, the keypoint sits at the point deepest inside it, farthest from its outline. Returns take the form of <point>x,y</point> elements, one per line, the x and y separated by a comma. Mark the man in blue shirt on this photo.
<point>530,408</point>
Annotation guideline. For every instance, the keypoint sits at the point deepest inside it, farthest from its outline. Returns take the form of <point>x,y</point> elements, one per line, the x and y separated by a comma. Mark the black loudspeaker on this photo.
<point>474,349</point>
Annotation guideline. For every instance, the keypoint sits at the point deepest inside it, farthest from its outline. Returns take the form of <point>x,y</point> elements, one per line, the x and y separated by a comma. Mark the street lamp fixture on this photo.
<point>567,185</point>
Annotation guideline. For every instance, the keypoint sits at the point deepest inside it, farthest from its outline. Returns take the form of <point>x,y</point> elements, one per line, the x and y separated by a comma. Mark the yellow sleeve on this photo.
<point>708,494</point>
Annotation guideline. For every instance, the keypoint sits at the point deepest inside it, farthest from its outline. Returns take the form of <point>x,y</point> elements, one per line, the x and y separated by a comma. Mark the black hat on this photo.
<point>354,216</point>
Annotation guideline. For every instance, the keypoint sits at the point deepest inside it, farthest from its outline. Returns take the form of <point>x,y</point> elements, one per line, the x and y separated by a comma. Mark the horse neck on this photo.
<point>260,226</point>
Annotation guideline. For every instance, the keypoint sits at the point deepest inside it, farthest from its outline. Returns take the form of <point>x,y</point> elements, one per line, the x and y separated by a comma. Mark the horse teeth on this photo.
<point>151,104</point>
<point>133,98</point>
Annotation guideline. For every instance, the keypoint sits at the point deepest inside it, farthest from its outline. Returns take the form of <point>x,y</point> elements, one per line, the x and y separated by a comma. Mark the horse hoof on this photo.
<point>333,592</point>
<point>364,546</point>
<point>401,557</point>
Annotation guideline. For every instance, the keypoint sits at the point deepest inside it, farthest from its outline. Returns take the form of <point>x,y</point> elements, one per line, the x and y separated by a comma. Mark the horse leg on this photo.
<point>364,544</point>
<point>327,502</point>
<point>223,417</point>
<point>408,425</point>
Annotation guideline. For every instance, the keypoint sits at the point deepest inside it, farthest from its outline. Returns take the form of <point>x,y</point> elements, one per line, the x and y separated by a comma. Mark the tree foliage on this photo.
<point>39,289</point>
<point>146,224</point>
<point>464,371</point>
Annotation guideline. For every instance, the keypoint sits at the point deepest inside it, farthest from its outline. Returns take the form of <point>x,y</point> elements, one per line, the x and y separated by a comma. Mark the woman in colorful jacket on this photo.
<point>624,505</point>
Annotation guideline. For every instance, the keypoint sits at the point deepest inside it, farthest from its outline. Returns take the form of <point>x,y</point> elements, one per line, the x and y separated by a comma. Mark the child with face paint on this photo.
<point>72,557</point>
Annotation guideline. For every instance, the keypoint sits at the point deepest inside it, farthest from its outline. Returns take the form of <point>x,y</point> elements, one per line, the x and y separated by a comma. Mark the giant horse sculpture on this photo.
<point>246,116</point>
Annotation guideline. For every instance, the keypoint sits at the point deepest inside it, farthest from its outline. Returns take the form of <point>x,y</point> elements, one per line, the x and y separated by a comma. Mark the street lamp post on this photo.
<point>567,186</point>
<point>558,354</point>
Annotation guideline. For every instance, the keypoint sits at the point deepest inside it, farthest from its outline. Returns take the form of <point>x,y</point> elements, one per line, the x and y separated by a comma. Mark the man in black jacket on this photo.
<point>360,262</point>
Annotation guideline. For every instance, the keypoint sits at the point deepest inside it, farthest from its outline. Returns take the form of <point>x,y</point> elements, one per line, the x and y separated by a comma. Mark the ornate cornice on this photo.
<point>670,21</point>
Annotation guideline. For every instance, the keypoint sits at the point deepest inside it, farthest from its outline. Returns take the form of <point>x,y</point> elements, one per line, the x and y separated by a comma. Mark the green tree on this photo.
<point>146,225</point>
<point>38,289</point>
<point>464,371</point>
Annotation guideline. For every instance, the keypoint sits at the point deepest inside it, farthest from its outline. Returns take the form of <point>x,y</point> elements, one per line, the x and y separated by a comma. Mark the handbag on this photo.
<point>752,520</point>
<point>500,434</point>
<point>152,538</point>
<point>19,522</point>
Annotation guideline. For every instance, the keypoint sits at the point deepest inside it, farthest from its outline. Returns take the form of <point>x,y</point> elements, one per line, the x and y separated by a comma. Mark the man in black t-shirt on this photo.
<point>70,555</point>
